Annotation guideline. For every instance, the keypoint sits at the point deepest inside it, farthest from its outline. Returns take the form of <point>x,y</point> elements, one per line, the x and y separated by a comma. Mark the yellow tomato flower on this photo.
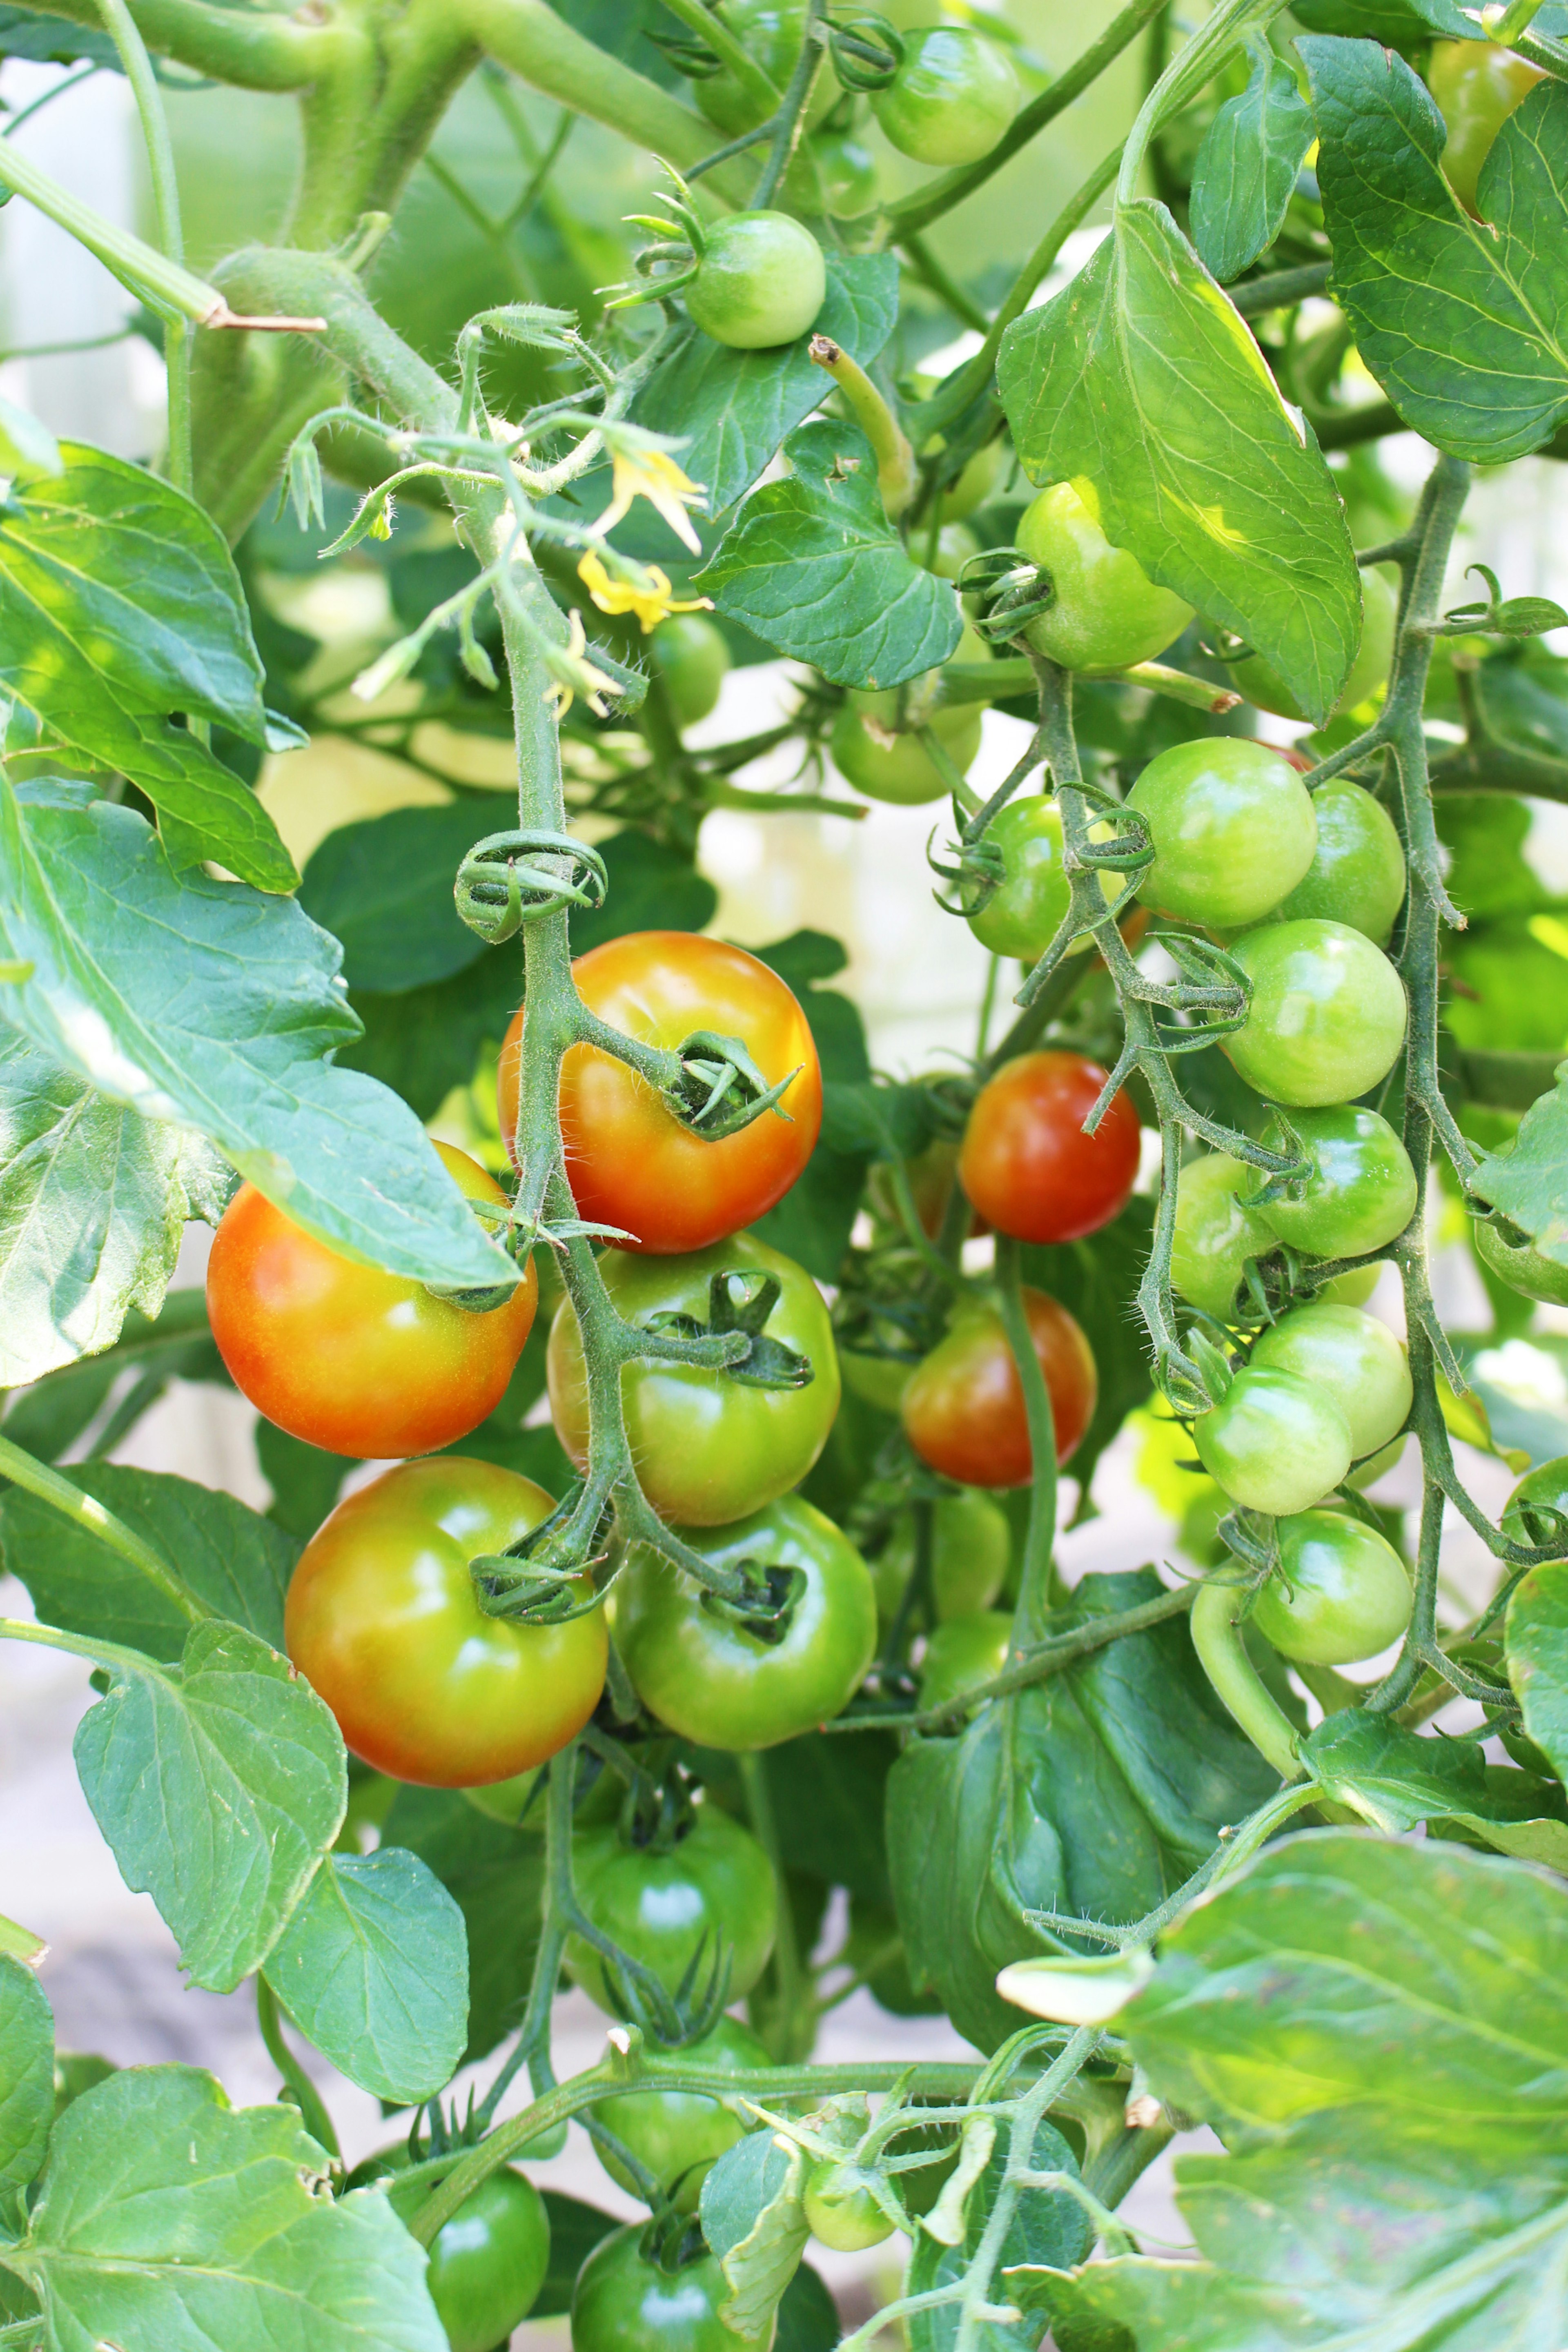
<point>649,597</point>
<point>649,474</point>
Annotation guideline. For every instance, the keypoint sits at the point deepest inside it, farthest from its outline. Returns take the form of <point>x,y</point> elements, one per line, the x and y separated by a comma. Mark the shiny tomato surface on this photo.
<point>1026,1164</point>
<point>631,1162</point>
<point>963,1407</point>
<point>349,1358</point>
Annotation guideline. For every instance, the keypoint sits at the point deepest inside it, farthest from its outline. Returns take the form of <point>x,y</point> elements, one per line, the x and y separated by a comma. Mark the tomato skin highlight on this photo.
<point>1342,1592</point>
<point>708,1449</point>
<point>383,1622</point>
<point>963,1408</point>
<point>715,1883</point>
<point>1357,873</point>
<point>1233,830</point>
<point>1361,1192</point>
<point>951,98</point>
<point>1327,1014</point>
<point>1214,1234</point>
<point>678,2136</point>
<point>623,2304</point>
<point>1352,1356</point>
<point>1275,1444</point>
<point>629,1161</point>
<point>1027,1164</point>
<point>1108,612</point>
<point>346,1356</point>
<point>760,283</point>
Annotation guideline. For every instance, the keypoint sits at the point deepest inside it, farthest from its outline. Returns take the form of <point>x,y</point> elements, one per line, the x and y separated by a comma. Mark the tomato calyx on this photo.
<point>539,1579</point>
<point>767,1617</point>
<point>719,1089</point>
<point>739,1306</point>
<point>509,879</point>
<point>866,50</point>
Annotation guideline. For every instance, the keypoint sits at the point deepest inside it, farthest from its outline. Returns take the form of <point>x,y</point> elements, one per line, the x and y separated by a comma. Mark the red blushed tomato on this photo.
<point>630,1161</point>
<point>1026,1164</point>
<point>963,1408</point>
<point>383,1622</point>
<point>344,1356</point>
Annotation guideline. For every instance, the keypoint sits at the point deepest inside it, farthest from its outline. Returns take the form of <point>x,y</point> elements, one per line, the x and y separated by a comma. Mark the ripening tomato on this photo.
<point>711,1892</point>
<point>963,1408</point>
<point>625,2302</point>
<point>1354,1359</point>
<point>971,1547</point>
<point>1476,85</point>
<point>1359,1191</point>
<point>771,32</point>
<point>1026,1164</point>
<point>693,658</point>
<point>1232,827</point>
<point>1521,1265</point>
<point>1215,1235</point>
<point>1328,1012</point>
<point>1106,612</point>
<point>1275,1444</point>
<point>1341,1593</point>
<point>964,1655</point>
<point>1374,656</point>
<point>761,281</point>
<point>348,1357</point>
<point>384,1623</point>
<point>1357,873</point>
<point>631,1162</point>
<point>950,100</point>
<point>678,2135</point>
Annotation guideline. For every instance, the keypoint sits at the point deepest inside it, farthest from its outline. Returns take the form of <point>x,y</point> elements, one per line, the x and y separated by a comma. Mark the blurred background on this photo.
<point>72,354</point>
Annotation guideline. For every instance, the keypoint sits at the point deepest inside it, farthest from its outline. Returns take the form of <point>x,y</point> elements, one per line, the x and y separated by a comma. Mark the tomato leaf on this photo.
<point>1376,2031</point>
<point>373,1968</point>
<point>1528,1182</point>
<point>164,2218</point>
<point>1394,1779</point>
<point>1247,167</point>
<point>384,888</point>
<point>807,2317</point>
<point>48,1417</point>
<point>1459,321</point>
<point>1141,376</point>
<point>119,607</point>
<point>215,1006</point>
<point>735,407</point>
<point>1048,2229</point>
<point>94,1201</point>
<point>1537,1658</point>
<point>753,2219</point>
<point>495,1873</point>
<point>217,1786</point>
<point>815,568</point>
<point>27,2072</point>
<point>236,1563</point>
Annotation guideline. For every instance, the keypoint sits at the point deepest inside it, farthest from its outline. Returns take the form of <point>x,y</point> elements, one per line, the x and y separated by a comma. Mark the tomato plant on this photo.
<point>1277,1441</point>
<point>1340,1593</point>
<point>1253,677</point>
<point>1357,1189</point>
<point>759,282</point>
<point>1352,1358</point>
<point>1217,1234</point>
<point>1357,873</point>
<point>1233,829</point>
<point>678,2136</point>
<point>1327,1015</point>
<point>1105,611</point>
<point>1026,1164</point>
<point>706,1896</point>
<point>971,1547</point>
<point>693,658</point>
<point>964,1411</point>
<point>952,97</point>
<point>843,2214</point>
<point>623,2301</point>
<point>964,1653</point>
<point>1477,89</point>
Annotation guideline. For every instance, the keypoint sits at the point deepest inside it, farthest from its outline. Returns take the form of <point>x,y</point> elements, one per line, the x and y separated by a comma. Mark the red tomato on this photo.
<point>344,1356</point>
<point>1026,1164</point>
<point>630,1161</point>
<point>963,1407</point>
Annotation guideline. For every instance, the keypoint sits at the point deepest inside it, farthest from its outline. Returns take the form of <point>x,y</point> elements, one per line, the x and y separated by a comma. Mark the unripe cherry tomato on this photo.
<point>623,2302</point>
<point>1327,1014</point>
<point>1374,658</point>
<point>1477,85</point>
<point>1360,1193</point>
<point>832,172</point>
<point>842,2213</point>
<point>903,771</point>
<point>346,1356</point>
<point>1232,827</point>
<point>1275,1444</point>
<point>972,1546</point>
<point>1357,873</point>
<point>1107,612</point>
<point>1026,1164</point>
<point>963,1408</point>
<point>1544,1488</point>
<point>488,2263</point>
<point>678,2136</point>
<point>981,475</point>
<point>1354,1359</point>
<point>761,281</point>
<point>771,32</point>
<point>964,1655</point>
<point>630,1161</point>
<point>713,1892</point>
<point>384,1623</point>
<point>951,98</point>
<point>1521,1265</point>
<point>1024,913</point>
<point>1214,1234</point>
<point>1341,1593</point>
<point>693,658</point>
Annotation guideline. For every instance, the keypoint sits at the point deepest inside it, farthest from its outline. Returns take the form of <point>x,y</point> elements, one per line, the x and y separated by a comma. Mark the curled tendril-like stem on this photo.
<point>511,878</point>
<point>866,50</point>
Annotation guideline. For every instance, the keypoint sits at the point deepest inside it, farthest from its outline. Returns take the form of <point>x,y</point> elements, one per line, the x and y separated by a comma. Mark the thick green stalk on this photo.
<point>139,73</point>
<point>253,48</point>
<point>1033,1611</point>
<point>307,2098</point>
<point>1216,1613</point>
<point>169,287</point>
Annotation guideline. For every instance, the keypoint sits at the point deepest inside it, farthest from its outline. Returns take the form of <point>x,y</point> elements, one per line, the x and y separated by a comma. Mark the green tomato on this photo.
<point>720,1682</point>
<point>951,98</point>
<point>955,543</point>
<point>1357,873</point>
<point>1351,1288</point>
<point>1275,1444</point>
<point>712,1891</point>
<point>1022,915</point>
<point>841,2213</point>
<point>834,172</point>
<point>1378,1465</point>
<point>1544,1487</point>
<point>1107,612</point>
<point>1341,1593</point>
<point>1477,85</point>
<point>975,485</point>
<point>964,1654</point>
<point>760,283</point>
<point>1352,1358</point>
<point>878,1381</point>
<point>677,2134</point>
<point>1232,827</point>
<point>1374,658</point>
<point>972,1546</point>
<point>771,32</point>
<point>623,2303</point>
<point>693,658</point>
<point>1359,1191</point>
<point>902,771</point>
<point>1214,1234</point>
<point>1521,1265</point>
<point>488,2263</point>
<point>1327,1014</point>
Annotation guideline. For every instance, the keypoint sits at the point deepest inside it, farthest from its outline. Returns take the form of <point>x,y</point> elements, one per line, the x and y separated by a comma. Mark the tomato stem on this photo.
<point>1223,1655</point>
<point>94,1519</point>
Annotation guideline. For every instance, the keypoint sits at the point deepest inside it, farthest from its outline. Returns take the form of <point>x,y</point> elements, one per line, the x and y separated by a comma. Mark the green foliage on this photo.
<point>1048,2229</point>
<point>27,2073</point>
<point>384,888</point>
<point>1394,1779</point>
<point>1530,1183</point>
<point>56,1411</point>
<point>753,2221</point>
<point>495,1873</point>
<point>1247,166</point>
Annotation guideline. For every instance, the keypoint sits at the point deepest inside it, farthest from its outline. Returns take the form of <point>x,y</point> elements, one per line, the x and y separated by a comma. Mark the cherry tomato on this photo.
<point>713,1888</point>
<point>1352,1356</point>
<point>1521,1265</point>
<point>1544,1488</point>
<point>1277,1443</point>
<point>1327,1014</point>
<point>1232,831</point>
<point>963,1408</point>
<point>833,172</point>
<point>1024,914</point>
<point>348,1357</point>
<point>623,2302</point>
<point>1107,612</point>
<point>708,1448</point>
<point>677,2134</point>
<point>1360,1192</point>
<point>771,32</point>
<point>631,1162</point>
<point>760,283</point>
<point>1351,1288</point>
<point>1357,873</point>
<point>971,1548</point>
<point>691,657</point>
<point>1341,1593</point>
<point>1026,1164</point>
<point>488,2263</point>
<point>722,1681</point>
<point>951,98</point>
<point>1374,658</point>
<point>1215,1236</point>
<point>384,1623</point>
<point>902,771</point>
<point>955,543</point>
<point>1477,85</point>
<point>964,1654</point>
<point>841,2213</point>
